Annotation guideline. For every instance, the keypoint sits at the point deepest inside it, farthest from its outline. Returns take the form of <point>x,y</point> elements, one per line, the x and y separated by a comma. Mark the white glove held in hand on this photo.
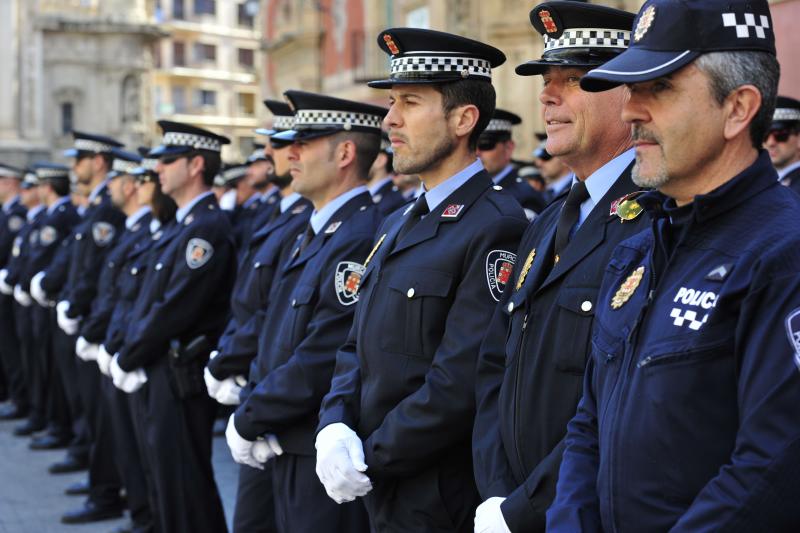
<point>104,360</point>
<point>212,383</point>
<point>5,288</point>
<point>127,381</point>
<point>249,452</point>
<point>489,518</point>
<point>228,393</point>
<point>22,297</point>
<point>68,325</point>
<point>37,292</point>
<point>340,463</point>
<point>85,350</point>
<point>266,449</point>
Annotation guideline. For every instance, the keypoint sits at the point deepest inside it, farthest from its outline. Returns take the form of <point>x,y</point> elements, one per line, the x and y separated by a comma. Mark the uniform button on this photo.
<point>134,271</point>
<point>510,307</point>
<point>256,264</point>
<point>497,188</point>
<point>586,306</point>
<point>294,303</point>
<point>410,292</point>
<point>159,266</point>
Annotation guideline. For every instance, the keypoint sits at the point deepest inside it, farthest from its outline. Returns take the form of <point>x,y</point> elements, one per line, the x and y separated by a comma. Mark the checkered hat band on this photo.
<point>415,64</point>
<point>258,153</point>
<point>234,173</point>
<point>588,38</point>
<point>123,166</point>
<point>86,145</point>
<point>5,171</point>
<point>321,117</point>
<point>31,179</point>
<point>149,164</point>
<point>198,142</point>
<point>283,122</point>
<point>786,114</point>
<point>499,125</point>
<point>47,173</point>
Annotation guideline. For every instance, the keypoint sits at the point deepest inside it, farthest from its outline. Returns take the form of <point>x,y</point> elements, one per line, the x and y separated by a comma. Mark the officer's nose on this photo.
<point>633,109</point>
<point>392,118</point>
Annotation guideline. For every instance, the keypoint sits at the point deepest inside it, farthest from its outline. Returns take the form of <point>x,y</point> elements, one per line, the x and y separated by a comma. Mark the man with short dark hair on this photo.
<point>688,417</point>
<point>783,141</point>
<point>179,314</point>
<point>395,426</point>
<point>385,193</point>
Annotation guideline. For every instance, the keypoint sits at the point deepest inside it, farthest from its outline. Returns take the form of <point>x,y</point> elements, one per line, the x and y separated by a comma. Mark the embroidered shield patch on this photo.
<point>103,233</point>
<point>793,331</point>
<point>499,264</point>
<point>15,223</point>
<point>17,247</point>
<point>198,253</point>
<point>47,235</point>
<point>348,278</point>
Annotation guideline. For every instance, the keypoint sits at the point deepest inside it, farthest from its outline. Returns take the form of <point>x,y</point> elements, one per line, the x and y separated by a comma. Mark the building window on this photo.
<point>247,104</point>
<point>177,9</point>
<point>246,146</point>
<point>178,54</point>
<point>246,57</point>
<point>205,7</point>
<point>179,100</point>
<point>245,16</point>
<point>205,98</point>
<point>205,53</point>
<point>66,118</point>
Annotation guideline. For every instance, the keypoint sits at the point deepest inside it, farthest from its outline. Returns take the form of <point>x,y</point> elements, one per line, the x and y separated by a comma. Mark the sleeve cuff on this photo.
<point>520,514</point>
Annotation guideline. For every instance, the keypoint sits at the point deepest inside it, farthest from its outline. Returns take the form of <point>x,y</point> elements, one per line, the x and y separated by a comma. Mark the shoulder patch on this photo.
<point>15,223</point>
<point>347,280</point>
<point>499,264</point>
<point>198,253</point>
<point>47,235</point>
<point>299,209</point>
<point>793,331</point>
<point>16,249</point>
<point>452,211</point>
<point>103,233</point>
<point>332,227</point>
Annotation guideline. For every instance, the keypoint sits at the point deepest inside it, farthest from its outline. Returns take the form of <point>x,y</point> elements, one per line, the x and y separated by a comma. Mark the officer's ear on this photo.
<point>740,106</point>
<point>197,166</point>
<point>345,153</point>
<point>464,119</point>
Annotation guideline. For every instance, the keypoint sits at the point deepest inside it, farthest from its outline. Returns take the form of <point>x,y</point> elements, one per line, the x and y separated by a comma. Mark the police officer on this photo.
<point>532,359</point>
<point>783,141</point>
<point>385,193</point>
<point>687,421</point>
<point>174,324</point>
<point>556,175</point>
<point>16,264</point>
<point>311,309</point>
<point>398,418</point>
<point>496,149</point>
<point>12,219</point>
<point>240,201</point>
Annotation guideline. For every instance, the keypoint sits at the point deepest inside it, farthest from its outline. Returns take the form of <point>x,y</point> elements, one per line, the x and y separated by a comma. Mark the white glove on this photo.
<point>241,448</point>
<point>86,350</point>
<point>228,393</point>
<point>212,383</point>
<point>267,448</point>
<point>340,463</point>
<point>104,360</point>
<point>22,297</point>
<point>489,518</point>
<point>67,324</point>
<point>37,292</point>
<point>5,288</point>
<point>127,381</point>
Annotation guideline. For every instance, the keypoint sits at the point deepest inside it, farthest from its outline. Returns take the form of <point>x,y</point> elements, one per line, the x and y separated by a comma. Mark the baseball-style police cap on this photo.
<point>124,163</point>
<point>51,172</point>
<point>233,173</point>
<point>670,34</point>
<point>181,139</point>
<point>8,171</point>
<point>786,115</point>
<point>577,35</point>
<point>89,143</point>
<point>282,117</point>
<point>146,170</point>
<point>429,56</point>
<point>499,129</point>
<point>317,115</point>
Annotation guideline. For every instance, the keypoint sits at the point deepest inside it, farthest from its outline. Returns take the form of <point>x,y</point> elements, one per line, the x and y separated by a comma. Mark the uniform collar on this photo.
<point>10,203</point>
<point>787,169</point>
<point>136,217</point>
<point>374,189</point>
<point>320,218</point>
<point>601,180</point>
<point>438,194</point>
<point>250,201</point>
<point>97,191</point>
<point>267,195</point>
<point>61,201</point>
<point>288,201</point>
<point>752,180</point>
<point>33,211</point>
<point>560,184</point>
<point>183,211</point>
<point>497,178</point>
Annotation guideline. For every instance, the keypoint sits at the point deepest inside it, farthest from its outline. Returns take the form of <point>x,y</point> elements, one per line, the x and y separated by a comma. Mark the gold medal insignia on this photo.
<point>525,268</point>
<point>627,288</point>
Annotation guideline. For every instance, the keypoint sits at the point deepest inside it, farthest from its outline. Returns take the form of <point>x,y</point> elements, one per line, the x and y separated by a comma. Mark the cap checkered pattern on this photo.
<point>234,173</point>
<point>198,142</point>
<point>5,171</point>
<point>51,173</point>
<point>588,38</point>
<point>87,145</point>
<point>283,122</point>
<point>786,114</point>
<point>149,164</point>
<point>31,179</point>
<point>306,118</point>
<point>466,66</point>
<point>123,167</point>
<point>497,124</point>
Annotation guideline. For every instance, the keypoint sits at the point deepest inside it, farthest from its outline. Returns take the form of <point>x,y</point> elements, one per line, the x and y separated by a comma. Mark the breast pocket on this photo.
<point>298,315</point>
<point>413,310</point>
<point>573,327</point>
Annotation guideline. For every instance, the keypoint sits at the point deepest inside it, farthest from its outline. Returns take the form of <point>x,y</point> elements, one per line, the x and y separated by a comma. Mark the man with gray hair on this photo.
<point>688,420</point>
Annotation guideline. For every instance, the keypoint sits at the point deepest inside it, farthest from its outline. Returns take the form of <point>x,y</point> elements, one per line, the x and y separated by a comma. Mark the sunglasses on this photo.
<point>781,136</point>
<point>485,146</point>
<point>169,159</point>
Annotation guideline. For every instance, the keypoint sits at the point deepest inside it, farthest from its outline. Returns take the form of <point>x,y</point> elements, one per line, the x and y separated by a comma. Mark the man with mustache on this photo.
<point>688,417</point>
<point>534,354</point>
<point>395,427</point>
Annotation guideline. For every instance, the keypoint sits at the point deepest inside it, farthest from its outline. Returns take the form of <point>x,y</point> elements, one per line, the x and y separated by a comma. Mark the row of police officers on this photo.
<point>617,352</point>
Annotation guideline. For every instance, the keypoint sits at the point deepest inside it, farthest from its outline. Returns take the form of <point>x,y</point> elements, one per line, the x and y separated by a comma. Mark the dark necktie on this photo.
<point>570,214</point>
<point>415,214</point>
<point>307,236</point>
